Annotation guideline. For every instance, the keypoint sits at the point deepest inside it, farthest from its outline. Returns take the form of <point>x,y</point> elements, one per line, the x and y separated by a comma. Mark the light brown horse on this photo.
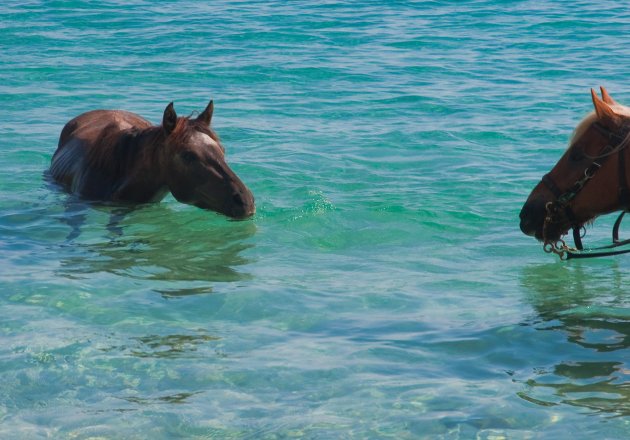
<point>117,156</point>
<point>589,180</point>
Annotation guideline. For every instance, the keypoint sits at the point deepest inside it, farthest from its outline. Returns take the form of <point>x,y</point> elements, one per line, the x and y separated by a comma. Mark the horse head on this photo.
<point>588,180</point>
<point>195,166</point>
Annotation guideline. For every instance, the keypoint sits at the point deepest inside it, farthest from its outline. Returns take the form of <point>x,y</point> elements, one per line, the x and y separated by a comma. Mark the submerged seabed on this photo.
<point>383,289</point>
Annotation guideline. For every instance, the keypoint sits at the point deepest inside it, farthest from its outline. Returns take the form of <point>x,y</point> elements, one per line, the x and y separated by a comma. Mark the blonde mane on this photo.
<point>619,109</point>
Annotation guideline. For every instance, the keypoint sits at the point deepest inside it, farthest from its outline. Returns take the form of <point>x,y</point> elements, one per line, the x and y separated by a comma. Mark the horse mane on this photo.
<point>120,149</point>
<point>180,131</point>
<point>619,109</point>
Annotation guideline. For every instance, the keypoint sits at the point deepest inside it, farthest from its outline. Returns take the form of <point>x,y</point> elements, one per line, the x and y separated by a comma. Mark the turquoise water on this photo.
<point>383,289</point>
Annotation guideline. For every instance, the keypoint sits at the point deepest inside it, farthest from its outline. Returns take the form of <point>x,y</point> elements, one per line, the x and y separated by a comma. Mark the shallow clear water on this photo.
<point>383,289</point>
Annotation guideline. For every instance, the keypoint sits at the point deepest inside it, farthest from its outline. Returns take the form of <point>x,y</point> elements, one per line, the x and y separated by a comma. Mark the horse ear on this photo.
<point>606,97</point>
<point>169,120</point>
<point>605,113</point>
<point>206,116</point>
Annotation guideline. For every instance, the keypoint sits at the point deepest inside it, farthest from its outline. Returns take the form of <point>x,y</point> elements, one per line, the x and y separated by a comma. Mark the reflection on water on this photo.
<point>169,346</point>
<point>165,346</point>
<point>177,398</point>
<point>181,292</point>
<point>156,244</point>
<point>587,304</point>
<point>159,259</point>
<point>137,357</point>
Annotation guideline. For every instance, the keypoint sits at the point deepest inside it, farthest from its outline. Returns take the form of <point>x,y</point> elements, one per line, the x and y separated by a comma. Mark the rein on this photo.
<point>563,200</point>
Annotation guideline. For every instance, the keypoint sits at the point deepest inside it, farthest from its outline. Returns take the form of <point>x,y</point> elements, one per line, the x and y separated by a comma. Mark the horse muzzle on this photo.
<point>239,205</point>
<point>537,221</point>
<point>533,218</point>
<point>242,205</point>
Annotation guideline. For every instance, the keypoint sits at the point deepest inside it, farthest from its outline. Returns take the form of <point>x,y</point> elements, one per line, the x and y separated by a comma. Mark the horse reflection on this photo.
<point>76,212</point>
<point>590,308</point>
<point>180,264</point>
<point>170,346</point>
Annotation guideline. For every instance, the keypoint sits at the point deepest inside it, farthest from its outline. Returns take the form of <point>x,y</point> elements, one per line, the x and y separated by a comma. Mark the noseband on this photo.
<point>563,199</point>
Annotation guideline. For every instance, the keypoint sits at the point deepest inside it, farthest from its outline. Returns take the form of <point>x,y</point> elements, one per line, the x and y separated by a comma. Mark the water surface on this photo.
<point>383,289</point>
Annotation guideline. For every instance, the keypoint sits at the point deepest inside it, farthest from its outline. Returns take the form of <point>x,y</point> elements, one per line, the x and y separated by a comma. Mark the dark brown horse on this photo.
<point>589,180</point>
<point>117,156</point>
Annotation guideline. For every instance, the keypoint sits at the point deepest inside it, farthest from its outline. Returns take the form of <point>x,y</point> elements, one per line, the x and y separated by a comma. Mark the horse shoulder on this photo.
<point>82,138</point>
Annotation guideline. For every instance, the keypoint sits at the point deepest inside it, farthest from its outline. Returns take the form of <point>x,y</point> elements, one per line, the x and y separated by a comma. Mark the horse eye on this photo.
<point>189,157</point>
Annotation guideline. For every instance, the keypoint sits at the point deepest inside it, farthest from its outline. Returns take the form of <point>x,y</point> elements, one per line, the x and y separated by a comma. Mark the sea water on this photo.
<point>383,288</point>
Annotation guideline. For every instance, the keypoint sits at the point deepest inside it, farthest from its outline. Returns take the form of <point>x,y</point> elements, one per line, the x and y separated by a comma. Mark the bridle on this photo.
<point>562,204</point>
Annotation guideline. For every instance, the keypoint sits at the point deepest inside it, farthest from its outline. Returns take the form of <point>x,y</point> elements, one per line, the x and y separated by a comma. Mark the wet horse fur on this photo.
<point>118,156</point>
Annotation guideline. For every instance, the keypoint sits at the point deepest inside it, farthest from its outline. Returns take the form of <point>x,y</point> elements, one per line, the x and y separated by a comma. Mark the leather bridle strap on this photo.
<point>551,186</point>
<point>620,149</point>
<point>624,191</point>
<point>563,199</point>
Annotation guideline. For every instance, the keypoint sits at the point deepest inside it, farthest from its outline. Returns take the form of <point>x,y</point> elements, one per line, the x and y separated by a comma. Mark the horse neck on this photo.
<point>149,151</point>
<point>623,161</point>
<point>135,153</point>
